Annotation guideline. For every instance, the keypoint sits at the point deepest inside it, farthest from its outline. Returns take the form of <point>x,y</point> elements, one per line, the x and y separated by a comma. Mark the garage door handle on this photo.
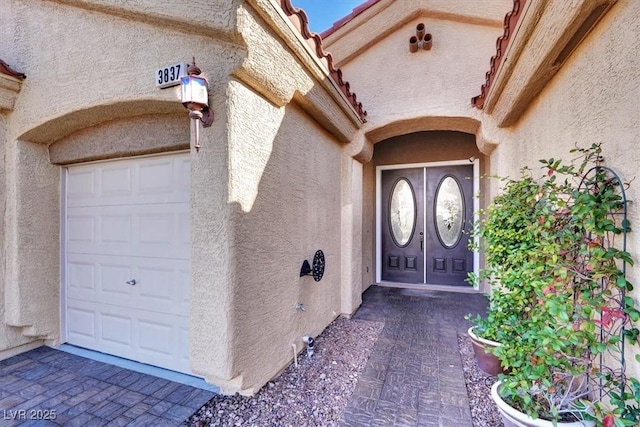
<point>131,282</point>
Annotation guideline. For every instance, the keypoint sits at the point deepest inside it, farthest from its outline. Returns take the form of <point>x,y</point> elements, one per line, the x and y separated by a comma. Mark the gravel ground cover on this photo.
<point>317,391</point>
<point>484,412</point>
<point>313,394</point>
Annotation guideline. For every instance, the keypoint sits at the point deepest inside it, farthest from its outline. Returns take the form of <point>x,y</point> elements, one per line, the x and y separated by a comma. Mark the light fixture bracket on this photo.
<point>195,97</point>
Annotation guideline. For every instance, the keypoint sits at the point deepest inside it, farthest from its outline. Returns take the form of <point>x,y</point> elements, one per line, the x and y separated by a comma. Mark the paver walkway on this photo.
<point>414,376</point>
<point>71,390</point>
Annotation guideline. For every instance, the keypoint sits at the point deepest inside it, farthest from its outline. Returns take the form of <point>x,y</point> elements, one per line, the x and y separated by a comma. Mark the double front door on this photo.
<point>426,219</point>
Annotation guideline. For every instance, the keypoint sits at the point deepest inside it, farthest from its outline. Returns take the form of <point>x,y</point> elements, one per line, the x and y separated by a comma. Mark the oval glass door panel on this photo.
<point>402,212</point>
<point>449,211</point>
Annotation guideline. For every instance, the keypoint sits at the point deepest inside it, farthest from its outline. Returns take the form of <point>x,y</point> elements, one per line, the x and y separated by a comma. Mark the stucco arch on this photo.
<point>32,164</point>
<point>56,128</point>
<point>465,124</point>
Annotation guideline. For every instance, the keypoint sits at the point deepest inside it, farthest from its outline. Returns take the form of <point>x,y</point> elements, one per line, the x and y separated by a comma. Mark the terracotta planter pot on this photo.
<point>487,362</point>
<point>511,417</point>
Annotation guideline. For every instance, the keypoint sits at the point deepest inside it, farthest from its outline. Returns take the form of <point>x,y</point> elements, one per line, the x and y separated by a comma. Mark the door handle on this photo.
<point>131,282</point>
<point>421,241</point>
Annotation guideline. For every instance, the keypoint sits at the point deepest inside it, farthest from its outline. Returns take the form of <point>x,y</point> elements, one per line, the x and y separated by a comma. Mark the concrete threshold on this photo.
<point>468,289</point>
<point>142,368</point>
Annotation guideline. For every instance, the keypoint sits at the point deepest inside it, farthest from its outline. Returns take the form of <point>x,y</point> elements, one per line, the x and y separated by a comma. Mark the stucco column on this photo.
<point>351,232</point>
<point>32,240</point>
<point>211,325</point>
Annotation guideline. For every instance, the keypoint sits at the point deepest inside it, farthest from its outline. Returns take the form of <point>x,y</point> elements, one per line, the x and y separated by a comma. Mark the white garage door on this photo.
<point>127,259</point>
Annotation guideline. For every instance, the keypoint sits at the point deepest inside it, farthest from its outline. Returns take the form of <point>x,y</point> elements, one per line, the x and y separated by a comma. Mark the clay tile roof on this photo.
<point>340,22</point>
<point>5,69</point>
<point>299,19</point>
<point>510,21</point>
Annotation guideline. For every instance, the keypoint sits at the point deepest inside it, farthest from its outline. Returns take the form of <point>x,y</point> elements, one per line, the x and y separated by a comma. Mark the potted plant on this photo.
<point>568,365</point>
<point>507,232</point>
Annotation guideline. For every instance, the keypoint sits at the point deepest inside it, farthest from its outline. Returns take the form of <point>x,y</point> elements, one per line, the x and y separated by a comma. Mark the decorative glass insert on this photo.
<point>449,211</point>
<point>402,212</point>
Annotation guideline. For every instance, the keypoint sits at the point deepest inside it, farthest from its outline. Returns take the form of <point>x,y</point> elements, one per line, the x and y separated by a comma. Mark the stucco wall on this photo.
<point>11,338</point>
<point>426,90</point>
<point>270,184</point>
<point>278,223</point>
<point>82,99</point>
<point>592,99</point>
<point>271,196</point>
<point>131,136</point>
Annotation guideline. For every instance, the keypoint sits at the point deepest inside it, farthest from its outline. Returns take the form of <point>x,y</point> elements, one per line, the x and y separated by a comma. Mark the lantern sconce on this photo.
<point>195,97</point>
<point>421,40</point>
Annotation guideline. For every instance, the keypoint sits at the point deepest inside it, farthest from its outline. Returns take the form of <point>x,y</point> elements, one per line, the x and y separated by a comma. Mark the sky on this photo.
<point>323,13</point>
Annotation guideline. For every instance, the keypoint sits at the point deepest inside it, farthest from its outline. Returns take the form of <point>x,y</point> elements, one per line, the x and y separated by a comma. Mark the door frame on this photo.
<point>476,205</point>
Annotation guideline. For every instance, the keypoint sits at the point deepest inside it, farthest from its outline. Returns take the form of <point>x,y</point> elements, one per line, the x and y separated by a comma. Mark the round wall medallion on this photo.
<point>318,266</point>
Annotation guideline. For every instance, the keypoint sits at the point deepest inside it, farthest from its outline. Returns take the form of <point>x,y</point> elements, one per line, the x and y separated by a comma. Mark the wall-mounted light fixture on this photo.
<point>317,270</point>
<point>421,40</point>
<point>195,97</point>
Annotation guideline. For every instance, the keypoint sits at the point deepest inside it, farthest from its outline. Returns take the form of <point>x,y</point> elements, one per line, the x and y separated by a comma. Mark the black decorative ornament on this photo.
<point>316,269</point>
<point>318,266</point>
<point>306,268</point>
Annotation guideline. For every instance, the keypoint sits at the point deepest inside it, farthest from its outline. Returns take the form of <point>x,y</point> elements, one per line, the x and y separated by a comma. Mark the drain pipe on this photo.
<point>311,344</point>
<point>295,354</point>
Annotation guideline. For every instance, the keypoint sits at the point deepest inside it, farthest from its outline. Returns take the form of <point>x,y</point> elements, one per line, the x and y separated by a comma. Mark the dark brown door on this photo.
<point>426,217</point>
<point>450,212</point>
<point>402,225</point>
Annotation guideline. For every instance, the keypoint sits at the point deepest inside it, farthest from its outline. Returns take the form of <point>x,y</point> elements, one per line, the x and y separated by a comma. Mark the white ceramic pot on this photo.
<point>513,418</point>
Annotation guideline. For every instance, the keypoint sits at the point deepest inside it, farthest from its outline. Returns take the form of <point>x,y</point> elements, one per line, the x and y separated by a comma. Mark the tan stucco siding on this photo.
<point>11,337</point>
<point>399,86</point>
<point>281,66</point>
<point>89,67</point>
<point>85,97</point>
<point>592,99</point>
<point>278,223</point>
<point>131,136</point>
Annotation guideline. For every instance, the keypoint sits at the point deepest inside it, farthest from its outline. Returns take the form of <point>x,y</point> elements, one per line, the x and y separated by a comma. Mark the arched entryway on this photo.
<point>421,189</point>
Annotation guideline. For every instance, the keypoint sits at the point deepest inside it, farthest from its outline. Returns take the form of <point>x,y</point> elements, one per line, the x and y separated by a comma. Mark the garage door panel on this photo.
<point>81,228</point>
<point>184,343</point>
<point>81,275</point>
<point>81,185</point>
<point>160,285</point>
<point>185,291</point>
<point>108,275</point>
<point>116,329</point>
<point>115,183</point>
<point>158,228</point>
<point>160,339</point>
<point>115,229</point>
<point>81,323</point>
<point>156,338</point>
<point>149,337</point>
<point>160,231</point>
<point>157,283</point>
<point>132,181</point>
<point>157,177</point>
<point>129,221</point>
<point>110,332</point>
<point>113,280</point>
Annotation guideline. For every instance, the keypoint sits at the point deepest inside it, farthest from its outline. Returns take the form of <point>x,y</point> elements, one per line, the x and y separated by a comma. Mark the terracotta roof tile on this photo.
<point>510,22</point>
<point>299,19</point>
<point>5,69</point>
<point>355,12</point>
